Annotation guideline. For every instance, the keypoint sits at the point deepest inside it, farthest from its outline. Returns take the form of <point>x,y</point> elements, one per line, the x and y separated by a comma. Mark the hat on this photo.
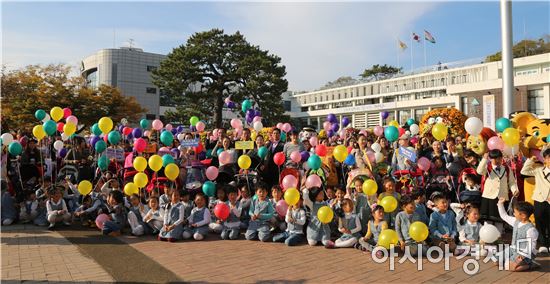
<point>405,136</point>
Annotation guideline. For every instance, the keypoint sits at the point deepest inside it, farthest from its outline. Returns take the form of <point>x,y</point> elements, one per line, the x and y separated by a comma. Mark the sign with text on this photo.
<point>244,145</point>
<point>115,153</point>
<point>407,153</point>
<point>190,143</point>
<point>489,111</point>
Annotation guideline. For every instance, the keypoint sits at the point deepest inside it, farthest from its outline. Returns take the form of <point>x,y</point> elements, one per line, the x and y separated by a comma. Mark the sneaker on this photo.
<point>543,250</point>
<point>357,246</point>
<point>329,245</point>
<point>51,227</point>
<point>66,224</point>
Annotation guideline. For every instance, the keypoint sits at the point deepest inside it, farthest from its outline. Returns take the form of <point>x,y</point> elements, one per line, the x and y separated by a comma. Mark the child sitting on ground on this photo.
<point>295,219</point>
<point>198,220</point>
<point>443,224</point>
<point>215,225</point>
<point>349,225</point>
<point>277,222</point>
<point>261,211</point>
<point>468,233</point>
<point>57,209</point>
<point>403,221</point>
<point>135,216</point>
<point>117,214</point>
<point>29,208</point>
<point>154,217</point>
<point>375,226</point>
<point>231,225</point>
<point>420,205</point>
<point>174,219</point>
<point>316,231</point>
<point>389,190</point>
<point>245,202</point>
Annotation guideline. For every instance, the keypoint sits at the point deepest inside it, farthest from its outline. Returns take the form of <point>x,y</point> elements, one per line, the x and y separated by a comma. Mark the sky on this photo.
<point>317,41</point>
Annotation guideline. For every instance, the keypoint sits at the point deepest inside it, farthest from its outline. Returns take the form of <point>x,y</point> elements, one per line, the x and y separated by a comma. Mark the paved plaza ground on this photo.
<point>72,255</point>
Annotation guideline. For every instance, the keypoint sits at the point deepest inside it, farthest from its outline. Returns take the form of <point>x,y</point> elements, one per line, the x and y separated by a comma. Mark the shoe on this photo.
<point>329,245</point>
<point>357,246</point>
<point>66,224</point>
<point>543,250</point>
<point>51,227</point>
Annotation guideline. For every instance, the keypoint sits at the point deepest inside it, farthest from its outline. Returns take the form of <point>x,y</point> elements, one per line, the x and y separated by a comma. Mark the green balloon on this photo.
<point>144,123</point>
<point>15,148</point>
<point>246,105</point>
<point>314,162</point>
<point>49,127</point>
<point>209,188</point>
<point>194,120</point>
<point>410,121</point>
<point>262,152</point>
<point>283,136</point>
<point>114,137</point>
<point>40,114</point>
<point>167,159</point>
<point>166,137</point>
<point>100,146</point>
<point>95,129</point>
<point>209,153</point>
<point>220,150</point>
<point>103,161</point>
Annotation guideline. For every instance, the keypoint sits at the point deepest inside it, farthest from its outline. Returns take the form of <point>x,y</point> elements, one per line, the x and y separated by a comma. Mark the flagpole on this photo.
<point>412,61</point>
<point>424,41</point>
<point>398,50</point>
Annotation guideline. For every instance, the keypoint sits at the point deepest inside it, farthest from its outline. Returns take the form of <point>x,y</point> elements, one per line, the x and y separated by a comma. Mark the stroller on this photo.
<point>194,178</point>
<point>408,180</point>
<point>289,171</point>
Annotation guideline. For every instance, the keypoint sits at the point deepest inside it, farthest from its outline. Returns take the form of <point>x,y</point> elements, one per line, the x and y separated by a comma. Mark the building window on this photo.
<point>287,105</point>
<point>304,109</point>
<point>464,105</point>
<point>91,79</point>
<point>151,68</point>
<point>150,116</point>
<point>419,113</point>
<point>404,115</point>
<point>150,90</point>
<point>535,102</point>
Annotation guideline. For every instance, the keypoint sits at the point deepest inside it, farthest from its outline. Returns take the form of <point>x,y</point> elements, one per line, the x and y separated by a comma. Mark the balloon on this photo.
<point>100,146</point>
<point>95,129</point>
<point>314,162</point>
<point>141,180</point>
<point>424,164</point>
<point>236,123</point>
<point>279,158</point>
<point>127,130</point>
<point>391,133</point>
<point>410,121</point>
<point>281,207</point>
<point>140,144</point>
<point>313,141</point>
<point>376,147</point>
<point>40,114</point>
<point>140,164</point>
<point>511,136</point>
<point>418,231</point>
<point>291,196</point>
<point>131,189</point>
<point>144,123</point>
<point>60,126</point>
<point>345,121</point>
<point>136,132</point>
<point>209,188</point>
<point>503,123</point>
<point>379,157</point>
<point>305,155</point>
<point>246,105</point>
<point>244,162</point>
<point>15,148</point>
<point>172,171</point>
<point>212,173</point>
<point>49,127</point>
<point>335,127</point>
<point>169,127</point>
<point>325,214</point>
<point>114,137</point>
<point>166,137</point>
<point>340,153</point>
<point>289,181</point>
<point>58,145</point>
<point>157,124</point>
<point>100,220</point>
<point>85,187</point>
<point>295,156</point>
<point>384,114</point>
<point>414,129</point>
<point>224,157</point>
<point>167,159</point>
<point>38,132</point>
<point>56,113</point>
<point>512,150</point>
<point>313,181</point>
<point>155,163</point>
<point>103,162</point>
<point>258,126</point>
<point>105,124</point>
<point>439,131</point>
<point>72,119</point>
<point>279,125</point>
<point>262,152</point>
<point>63,153</point>
<point>194,120</point>
<point>7,138</point>
<point>394,123</point>
<point>370,187</point>
<point>326,125</point>
<point>378,131</point>
<point>473,126</point>
<point>67,112</point>
<point>321,150</point>
<point>332,118</point>
<point>350,160</point>
<point>69,129</point>
<point>401,131</point>
<point>221,211</point>
<point>387,238</point>
<point>257,119</point>
<point>489,233</point>
<point>389,203</point>
<point>200,126</point>
<point>495,143</point>
<point>46,118</point>
<point>287,127</point>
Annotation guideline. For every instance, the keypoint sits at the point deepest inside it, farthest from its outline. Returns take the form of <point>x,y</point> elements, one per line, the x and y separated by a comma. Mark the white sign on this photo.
<point>489,111</point>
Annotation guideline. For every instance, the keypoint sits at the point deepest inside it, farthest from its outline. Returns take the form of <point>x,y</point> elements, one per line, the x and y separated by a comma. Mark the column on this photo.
<point>309,120</point>
<point>353,120</point>
<point>319,127</point>
<point>340,121</point>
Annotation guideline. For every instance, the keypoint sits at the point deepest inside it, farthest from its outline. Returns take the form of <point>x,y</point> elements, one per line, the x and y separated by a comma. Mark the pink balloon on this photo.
<point>287,127</point>
<point>157,124</point>
<point>227,100</point>
<point>236,123</point>
<point>289,181</point>
<point>313,141</point>
<point>212,173</point>
<point>424,164</point>
<point>67,112</point>
<point>495,142</point>
<point>169,127</point>
<point>305,166</point>
<point>370,155</point>
<point>295,156</point>
<point>256,119</point>
<point>100,220</point>
<point>147,133</point>
<point>378,131</point>
<point>363,132</point>
<point>326,126</point>
<point>72,119</point>
<point>280,126</point>
<point>200,126</point>
<point>140,145</point>
<point>224,157</point>
<point>281,207</point>
<point>313,181</point>
<point>414,140</point>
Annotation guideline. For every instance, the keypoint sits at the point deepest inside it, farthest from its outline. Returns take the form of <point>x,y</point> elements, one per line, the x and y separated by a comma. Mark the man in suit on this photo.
<point>541,197</point>
<point>270,171</point>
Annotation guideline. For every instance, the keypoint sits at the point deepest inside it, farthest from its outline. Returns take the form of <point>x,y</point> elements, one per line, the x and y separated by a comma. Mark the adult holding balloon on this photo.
<point>270,174</point>
<point>292,146</point>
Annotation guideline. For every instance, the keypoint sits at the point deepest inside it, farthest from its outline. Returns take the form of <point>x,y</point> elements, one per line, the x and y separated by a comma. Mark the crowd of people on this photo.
<point>442,183</point>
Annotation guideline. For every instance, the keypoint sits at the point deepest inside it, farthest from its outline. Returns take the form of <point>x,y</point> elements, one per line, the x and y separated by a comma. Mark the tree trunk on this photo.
<point>218,110</point>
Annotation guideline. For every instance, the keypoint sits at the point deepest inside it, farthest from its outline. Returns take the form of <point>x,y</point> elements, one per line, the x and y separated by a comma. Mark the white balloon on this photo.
<point>258,125</point>
<point>376,147</point>
<point>181,136</point>
<point>64,136</point>
<point>414,129</point>
<point>473,126</point>
<point>58,145</point>
<point>379,157</point>
<point>46,118</point>
<point>7,139</point>
<point>489,233</point>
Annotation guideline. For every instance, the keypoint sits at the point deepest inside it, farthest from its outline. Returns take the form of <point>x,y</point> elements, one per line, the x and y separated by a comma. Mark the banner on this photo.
<point>190,143</point>
<point>244,145</point>
<point>115,153</point>
<point>407,153</point>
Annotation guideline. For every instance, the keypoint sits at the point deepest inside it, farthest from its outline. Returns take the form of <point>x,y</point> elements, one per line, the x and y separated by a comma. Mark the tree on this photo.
<point>380,71</point>
<point>340,82</point>
<point>213,65</point>
<point>524,48</point>
<point>42,87</point>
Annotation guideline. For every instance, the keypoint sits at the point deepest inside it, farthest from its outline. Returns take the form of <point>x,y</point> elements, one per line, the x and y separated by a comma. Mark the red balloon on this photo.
<point>126,130</point>
<point>106,138</point>
<point>321,150</point>
<point>401,131</point>
<point>139,145</point>
<point>67,112</point>
<point>221,211</point>
<point>199,148</point>
<point>60,126</point>
<point>279,158</point>
<point>350,148</point>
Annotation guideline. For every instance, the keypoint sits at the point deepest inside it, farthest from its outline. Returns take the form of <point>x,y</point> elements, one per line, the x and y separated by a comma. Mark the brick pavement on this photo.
<point>31,253</point>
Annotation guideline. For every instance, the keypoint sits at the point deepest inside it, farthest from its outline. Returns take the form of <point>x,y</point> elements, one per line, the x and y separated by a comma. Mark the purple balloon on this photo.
<point>130,137</point>
<point>192,128</point>
<point>332,118</point>
<point>330,133</point>
<point>345,121</point>
<point>120,128</point>
<point>174,131</point>
<point>335,127</point>
<point>305,156</point>
<point>231,105</point>
<point>63,152</point>
<point>202,155</point>
<point>250,112</point>
<point>136,132</point>
<point>175,151</point>
<point>385,114</point>
<point>180,129</point>
<point>258,113</point>
<point>94,140</point>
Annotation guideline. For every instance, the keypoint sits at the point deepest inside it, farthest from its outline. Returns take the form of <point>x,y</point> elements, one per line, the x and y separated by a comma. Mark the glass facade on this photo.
<point>535,102</point>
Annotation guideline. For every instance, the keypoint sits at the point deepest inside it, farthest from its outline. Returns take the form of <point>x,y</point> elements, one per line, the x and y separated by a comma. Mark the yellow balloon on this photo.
<point>56,113</point>
<point>130,189</point>
<point>38,132</point>
<point>172,171</point>
<point>155,163</point>
<point>69,129</point>
<point>253,135</point>
<point>292,196</point>
<point>370,187</point>
<point>244,162</point>
<point>140,164</point>
<point>387,238</point>
<point>418,231</point>
<point>340,153</point>
<point>85,187</point>
<point>394,123</point>
<point>511,136</point>
<point>105,124</point>
<point>389,203</point>
<point>325,214</point>
<point>439,131</point>
<point>141,180</point>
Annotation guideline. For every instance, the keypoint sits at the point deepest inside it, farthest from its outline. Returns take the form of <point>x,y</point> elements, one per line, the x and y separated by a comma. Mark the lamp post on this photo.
<point>507,57</point>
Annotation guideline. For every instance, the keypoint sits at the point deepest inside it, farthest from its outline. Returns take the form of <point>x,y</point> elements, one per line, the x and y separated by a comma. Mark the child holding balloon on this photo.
<point>316,231</point>
<point>403,222</point>
<point>245,202</point>
<point>261,211</point>
<point>231,225</point>
<point>349,225</point>
<point>277,222</point>
<point>215,225</point>
<point>443,224</point>
<point>375,226</point>
<point>295,219</point>
<point>389,190</point>
<point>198,220</point>
<point>361,202</point>
<point>117,214</point>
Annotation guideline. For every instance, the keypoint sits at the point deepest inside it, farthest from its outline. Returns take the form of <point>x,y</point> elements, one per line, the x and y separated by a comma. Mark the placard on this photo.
<point>244,145</point>
<point>407,153</point>
<point>190,143</point>
<point>115,153</point>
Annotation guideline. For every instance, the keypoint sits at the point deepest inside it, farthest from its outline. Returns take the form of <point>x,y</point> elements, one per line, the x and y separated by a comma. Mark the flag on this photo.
<point>428,36</point>
<point>416,37</point>
<point>402,45</point>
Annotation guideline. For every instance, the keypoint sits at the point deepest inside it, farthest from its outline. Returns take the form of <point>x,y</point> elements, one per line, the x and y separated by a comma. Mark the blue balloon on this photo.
<point>136,132</point>
<point>220,150</point>
<point>94,140</point>
<point>502,123</point>
<point>335,127</point>
<point>350,160</point>
<point>305,156</point>
<point>345,121</point>
<point>180,129</point>
<point>332,118</point>
<point>174,131</point>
